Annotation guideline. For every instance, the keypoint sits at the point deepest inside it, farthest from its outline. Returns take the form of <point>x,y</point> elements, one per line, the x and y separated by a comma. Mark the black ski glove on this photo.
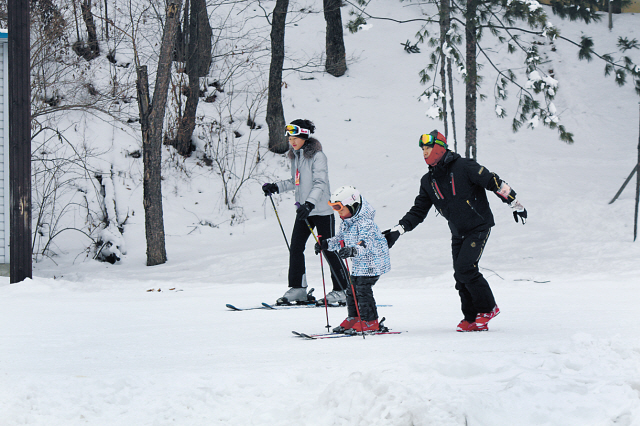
<point>270,188</point>
<point>346,252</point>
<point>324,245</point>
<point>393,234</point>
<point>303,211</point>
<point>518,211</point>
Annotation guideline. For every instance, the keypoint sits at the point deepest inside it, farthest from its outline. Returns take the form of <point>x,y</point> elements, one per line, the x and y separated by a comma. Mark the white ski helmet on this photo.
<point>348,197</point>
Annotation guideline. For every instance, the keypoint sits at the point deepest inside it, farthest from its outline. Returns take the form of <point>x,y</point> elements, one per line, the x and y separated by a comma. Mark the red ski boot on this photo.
<point>366,325</point>
<point>347,324</point>
<point>465,326</point>
<point>483,318</point>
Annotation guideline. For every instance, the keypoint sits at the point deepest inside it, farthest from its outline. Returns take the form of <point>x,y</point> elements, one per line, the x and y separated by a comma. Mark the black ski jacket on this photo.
<point>456,188</point>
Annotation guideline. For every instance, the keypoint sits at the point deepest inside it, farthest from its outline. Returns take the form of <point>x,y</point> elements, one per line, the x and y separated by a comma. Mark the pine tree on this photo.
<point>521,25</point>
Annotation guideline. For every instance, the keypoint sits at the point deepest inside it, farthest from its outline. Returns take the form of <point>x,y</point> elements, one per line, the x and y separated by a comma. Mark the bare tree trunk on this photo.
<point>336,63</point>
<point>92,35</point>
<point>275,112</point>
<point>152,119</point>
<point>444,12</point>
<point>447,25</point>
<point>187,123</point>
<point>453,111</point>
<point>635,215</point>
<point>106,18</point>
<point>471,80</point>
<point>198,61</point>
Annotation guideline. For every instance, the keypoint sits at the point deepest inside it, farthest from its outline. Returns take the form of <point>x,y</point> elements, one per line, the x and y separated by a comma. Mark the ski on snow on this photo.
<point>311,303</point>
<point>383,330</point>
<point>338,335</point>
<point>274,307</point>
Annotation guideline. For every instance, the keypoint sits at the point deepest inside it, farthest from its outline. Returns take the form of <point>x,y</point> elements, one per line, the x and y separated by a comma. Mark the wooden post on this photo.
<point>19,139</point>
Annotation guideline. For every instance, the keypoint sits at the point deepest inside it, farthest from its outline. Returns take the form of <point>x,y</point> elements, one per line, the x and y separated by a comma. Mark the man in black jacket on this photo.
<point>456,186</point>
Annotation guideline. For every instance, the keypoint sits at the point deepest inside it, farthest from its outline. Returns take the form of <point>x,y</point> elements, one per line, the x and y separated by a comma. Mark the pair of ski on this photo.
<point>278,307</point>
<point>338,335</point>
<point>311,302</point>
<point>348,333</point>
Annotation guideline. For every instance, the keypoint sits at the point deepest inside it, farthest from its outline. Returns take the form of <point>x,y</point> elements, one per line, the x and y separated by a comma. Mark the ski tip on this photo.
<point>233,308</point>
<point>266,305</point>
<point>303,335</point>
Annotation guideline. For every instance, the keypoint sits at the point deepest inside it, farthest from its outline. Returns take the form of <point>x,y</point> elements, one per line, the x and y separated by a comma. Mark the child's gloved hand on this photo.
<point>324,245</point>
<point>346,252</point>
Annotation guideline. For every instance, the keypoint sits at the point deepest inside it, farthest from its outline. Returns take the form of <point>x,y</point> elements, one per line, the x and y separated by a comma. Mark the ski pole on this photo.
<point>325,255</point>
<point>278,217</point>
<point>324,288</point>
<point>353,291</point>
<point>336,274</point>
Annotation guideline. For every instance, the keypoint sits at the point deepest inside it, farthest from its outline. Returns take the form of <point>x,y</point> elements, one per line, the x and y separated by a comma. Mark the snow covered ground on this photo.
<point>92,343</point>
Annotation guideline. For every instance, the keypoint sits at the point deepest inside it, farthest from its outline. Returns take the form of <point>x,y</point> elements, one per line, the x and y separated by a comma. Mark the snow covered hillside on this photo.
<point>93,343</point>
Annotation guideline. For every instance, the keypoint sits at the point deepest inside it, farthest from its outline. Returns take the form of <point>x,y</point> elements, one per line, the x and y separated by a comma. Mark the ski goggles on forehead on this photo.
<point>293,130</point>
<point>429,140</point>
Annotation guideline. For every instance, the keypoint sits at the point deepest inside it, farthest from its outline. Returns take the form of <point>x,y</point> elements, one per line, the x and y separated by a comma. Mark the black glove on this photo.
<point>324,245</point>
<point>345,252</point>
<point>270,188</point>
<point>303,211</point>
<point>522,214</point>
<point>393,234</point>
<point>518,211</point>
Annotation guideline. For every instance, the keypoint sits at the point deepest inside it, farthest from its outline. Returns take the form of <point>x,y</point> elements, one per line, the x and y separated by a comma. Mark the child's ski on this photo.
<point>383,330</point>
<point>337,335</point>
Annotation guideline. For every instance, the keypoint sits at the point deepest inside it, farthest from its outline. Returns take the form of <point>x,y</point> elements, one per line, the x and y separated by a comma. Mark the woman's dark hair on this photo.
<point>305,124</point>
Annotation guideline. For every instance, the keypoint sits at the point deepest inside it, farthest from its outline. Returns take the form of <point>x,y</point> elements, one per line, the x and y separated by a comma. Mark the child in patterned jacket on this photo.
<point>368,248</point>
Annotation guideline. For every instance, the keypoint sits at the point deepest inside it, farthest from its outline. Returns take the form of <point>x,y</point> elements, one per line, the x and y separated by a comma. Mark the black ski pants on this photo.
<point>475,294</point>
<point>325,227</point>
<point>364,296</point>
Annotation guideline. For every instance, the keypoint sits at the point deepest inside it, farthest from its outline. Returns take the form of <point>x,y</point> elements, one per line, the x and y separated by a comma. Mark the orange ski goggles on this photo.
<point>337,206</point>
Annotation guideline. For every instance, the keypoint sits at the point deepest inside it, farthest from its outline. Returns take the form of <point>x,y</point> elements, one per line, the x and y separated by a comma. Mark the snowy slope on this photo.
<point>88,343</point>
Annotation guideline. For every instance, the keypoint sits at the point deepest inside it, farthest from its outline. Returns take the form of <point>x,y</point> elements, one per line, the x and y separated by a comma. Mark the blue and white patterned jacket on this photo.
<point>373,256</point>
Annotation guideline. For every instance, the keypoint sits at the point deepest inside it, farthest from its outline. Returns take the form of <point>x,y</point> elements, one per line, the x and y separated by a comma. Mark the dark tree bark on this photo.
<point>336,63</point>
<point>180,49</point>
<point>198,61</point>
<point>275,112</point>
<point>19,140</point>
<point>451,104</point>
<point>446,11</point>
<point>92,50</point>
<point>471,33</point>
<point>106,19</point>
<point>635,215</point>
<point>444,27</point>
<point>152,118</point>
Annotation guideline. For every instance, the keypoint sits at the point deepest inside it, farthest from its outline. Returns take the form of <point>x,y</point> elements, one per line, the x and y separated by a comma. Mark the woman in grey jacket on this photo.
<point>310,181</point>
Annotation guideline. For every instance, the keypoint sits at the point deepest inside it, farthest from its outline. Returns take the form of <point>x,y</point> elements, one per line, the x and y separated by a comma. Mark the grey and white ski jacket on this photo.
<point>311,164</point>
<point>361,231</point>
